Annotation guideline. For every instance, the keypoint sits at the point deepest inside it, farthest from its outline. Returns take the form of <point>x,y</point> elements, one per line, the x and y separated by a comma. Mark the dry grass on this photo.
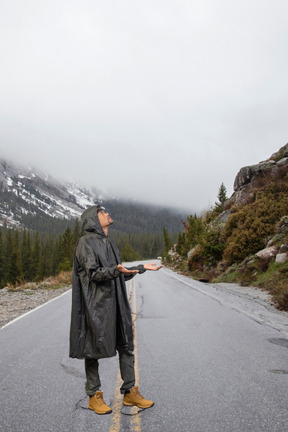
<point>64,278</point>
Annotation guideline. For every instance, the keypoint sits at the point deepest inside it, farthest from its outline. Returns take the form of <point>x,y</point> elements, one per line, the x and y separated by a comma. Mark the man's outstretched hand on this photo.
<point>149,266</point>
<point>124,270</point>
<point>152,266</point>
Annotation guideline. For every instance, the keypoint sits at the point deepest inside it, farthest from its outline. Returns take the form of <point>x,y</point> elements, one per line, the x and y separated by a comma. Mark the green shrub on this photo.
<point>248,229</point>
<point>213,246</point>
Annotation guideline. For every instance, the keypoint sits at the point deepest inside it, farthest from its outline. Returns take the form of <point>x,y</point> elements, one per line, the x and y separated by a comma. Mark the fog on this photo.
<point>159,101</point>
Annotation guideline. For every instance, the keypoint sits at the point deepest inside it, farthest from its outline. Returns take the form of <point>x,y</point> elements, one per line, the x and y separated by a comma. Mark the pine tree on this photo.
<point>26,255</point>
<point>8,253</point>
<point>66,250</point>
<point>167,242</point>
<point>15,265</point>
<point>180,248</point>
<point>76,231</point>
<point>50,257</point>
<point>155,247</point>
<point>222,196</point>
<point>35,258</point>
<point>128,254</point>
<point>2,261</point>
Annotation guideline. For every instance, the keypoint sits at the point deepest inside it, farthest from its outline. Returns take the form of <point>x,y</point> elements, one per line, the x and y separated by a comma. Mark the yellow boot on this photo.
<point>135,398</point>
<point>97,404</point>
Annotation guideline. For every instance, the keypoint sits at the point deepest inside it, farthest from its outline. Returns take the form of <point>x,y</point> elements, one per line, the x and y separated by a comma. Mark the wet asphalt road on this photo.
<point>212,360</point>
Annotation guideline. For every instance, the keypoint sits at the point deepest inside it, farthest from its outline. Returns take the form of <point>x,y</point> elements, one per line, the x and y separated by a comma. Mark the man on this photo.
<point>101,321</point>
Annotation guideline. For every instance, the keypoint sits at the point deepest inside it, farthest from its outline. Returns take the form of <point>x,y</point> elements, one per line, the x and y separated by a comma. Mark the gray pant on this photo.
<point>126,364</point>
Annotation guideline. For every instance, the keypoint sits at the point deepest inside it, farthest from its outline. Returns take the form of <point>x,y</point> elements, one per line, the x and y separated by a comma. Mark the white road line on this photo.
<point>227,304</point>
<point>33,310</point>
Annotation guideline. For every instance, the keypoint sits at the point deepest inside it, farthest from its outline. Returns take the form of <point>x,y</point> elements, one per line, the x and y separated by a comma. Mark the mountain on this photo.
<point>28,191</point>
<point>32,199</point>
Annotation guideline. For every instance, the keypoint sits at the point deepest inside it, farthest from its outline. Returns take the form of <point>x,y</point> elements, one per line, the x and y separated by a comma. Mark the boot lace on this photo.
<point>100,400</point>
<point>138,395</point>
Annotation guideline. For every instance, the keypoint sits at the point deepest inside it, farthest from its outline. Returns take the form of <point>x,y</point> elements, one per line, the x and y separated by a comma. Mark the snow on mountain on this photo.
<point>28,191</point>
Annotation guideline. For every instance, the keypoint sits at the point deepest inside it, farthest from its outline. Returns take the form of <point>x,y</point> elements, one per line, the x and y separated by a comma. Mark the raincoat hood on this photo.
<point>91,221</point>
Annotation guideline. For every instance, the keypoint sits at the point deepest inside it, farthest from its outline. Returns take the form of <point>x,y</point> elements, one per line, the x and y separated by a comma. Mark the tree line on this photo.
<point>32,256</point>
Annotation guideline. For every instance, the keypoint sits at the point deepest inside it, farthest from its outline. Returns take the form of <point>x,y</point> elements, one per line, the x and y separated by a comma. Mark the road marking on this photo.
<point>135,420</point>
<point>254,317</point>
<point>33,310</point>
<point>116,408</point>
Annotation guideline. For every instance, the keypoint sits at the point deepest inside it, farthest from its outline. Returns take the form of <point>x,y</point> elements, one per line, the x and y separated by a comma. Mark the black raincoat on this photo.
<point>101,317</point>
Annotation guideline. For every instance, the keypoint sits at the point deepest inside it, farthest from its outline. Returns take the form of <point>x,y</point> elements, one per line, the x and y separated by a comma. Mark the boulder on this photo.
<point>196,251</point>
<point>241,196</point>
<point>247,177</point>
<point>282,153</point>
<point>246,174</point>
<point>267,253</point>
<point>191,252</point>
<point>282,162</point>
<point>281,258</point>
<point>222,218</point>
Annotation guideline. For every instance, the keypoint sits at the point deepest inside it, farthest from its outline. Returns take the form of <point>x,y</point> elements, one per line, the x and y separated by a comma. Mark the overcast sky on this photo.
<point>160,100</point>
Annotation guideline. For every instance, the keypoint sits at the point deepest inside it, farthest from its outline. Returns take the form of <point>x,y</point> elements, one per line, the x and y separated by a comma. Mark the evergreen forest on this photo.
<point>31,256</point>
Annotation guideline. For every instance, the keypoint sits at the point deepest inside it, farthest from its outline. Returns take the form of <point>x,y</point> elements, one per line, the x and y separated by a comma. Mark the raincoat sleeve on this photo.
<point>90,263</point>
<point>139,267</point>
<point>104,273</point>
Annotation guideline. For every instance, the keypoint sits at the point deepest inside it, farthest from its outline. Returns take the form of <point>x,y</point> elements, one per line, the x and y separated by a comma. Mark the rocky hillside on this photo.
<point>243,239</point>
